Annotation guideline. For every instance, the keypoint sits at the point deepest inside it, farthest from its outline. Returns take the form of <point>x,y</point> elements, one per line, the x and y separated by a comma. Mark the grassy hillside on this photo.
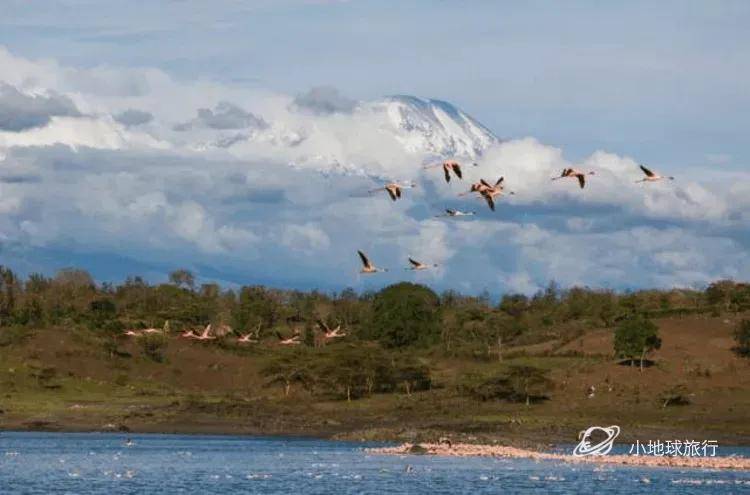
<point>73,377</point>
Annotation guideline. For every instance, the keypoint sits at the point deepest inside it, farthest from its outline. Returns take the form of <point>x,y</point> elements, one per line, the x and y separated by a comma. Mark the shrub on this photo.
<point>514,304</point>
<point>44,376</point>
<point>103,308</point>
<point>13,335</point>
<point>675,396</point>
<point>516,384</point>
<point>154,346</point>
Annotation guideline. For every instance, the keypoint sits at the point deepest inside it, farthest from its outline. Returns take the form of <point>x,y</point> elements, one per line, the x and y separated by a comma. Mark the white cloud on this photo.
<point>305,239</point>
<point>132,117</point>
<point>324,100</point>
<point>20,111</point>
<point>286,200</point>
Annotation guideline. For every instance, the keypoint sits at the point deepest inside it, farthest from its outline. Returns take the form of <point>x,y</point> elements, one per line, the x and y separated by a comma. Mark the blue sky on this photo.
<point>604,84</point>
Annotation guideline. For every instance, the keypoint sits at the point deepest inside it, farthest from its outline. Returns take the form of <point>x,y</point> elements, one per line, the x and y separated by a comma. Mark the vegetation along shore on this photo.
<point>403,364</point>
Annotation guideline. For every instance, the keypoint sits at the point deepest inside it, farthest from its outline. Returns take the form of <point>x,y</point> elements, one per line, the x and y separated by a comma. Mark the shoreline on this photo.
<point>729,463</point>
<point>507,449</point>
<point>734,463</point>
<point>533,441</point>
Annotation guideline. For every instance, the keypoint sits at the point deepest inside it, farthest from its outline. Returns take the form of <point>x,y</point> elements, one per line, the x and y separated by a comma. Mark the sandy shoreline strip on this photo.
<point>473,450</point>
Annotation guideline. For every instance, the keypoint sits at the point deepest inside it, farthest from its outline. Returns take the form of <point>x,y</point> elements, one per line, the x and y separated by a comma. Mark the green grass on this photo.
<point>212,388</point>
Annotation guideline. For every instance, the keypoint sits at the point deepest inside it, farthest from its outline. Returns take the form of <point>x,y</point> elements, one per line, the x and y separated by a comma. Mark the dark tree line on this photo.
<point>383,329</point>
<point>402,315</point>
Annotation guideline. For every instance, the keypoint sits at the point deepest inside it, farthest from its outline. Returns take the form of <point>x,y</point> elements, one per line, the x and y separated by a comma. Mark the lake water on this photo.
<point>88,463</point>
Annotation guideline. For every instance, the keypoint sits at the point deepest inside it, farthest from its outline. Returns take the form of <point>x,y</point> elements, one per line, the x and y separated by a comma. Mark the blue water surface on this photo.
<point>93,463</point>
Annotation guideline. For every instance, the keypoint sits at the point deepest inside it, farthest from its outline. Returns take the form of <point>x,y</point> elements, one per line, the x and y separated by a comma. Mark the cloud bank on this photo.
<point>324,100</point>
<point>130,170</point>
<point>20,111</point>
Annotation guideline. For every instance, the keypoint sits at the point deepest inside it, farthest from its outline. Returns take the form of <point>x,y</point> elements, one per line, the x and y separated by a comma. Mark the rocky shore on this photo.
<point>471,450</point>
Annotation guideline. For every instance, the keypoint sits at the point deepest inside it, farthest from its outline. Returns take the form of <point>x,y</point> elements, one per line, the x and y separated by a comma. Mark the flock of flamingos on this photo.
<point>481,189</point>
<point>325,335</point>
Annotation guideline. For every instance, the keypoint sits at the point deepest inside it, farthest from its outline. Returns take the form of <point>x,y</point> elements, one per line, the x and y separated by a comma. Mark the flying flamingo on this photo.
<point>132,333</point>
<point>250,338</point>
<point>571,172</point>
<point>330,333</point>
<point>489,197</point>
<point>367,266</point>
<point>483,185</point>
<point>394,189</point>
<point>416,265</point>
<point>206,334</point>
<point>651,176</point>
<point>247,339</point>
<point>488,192</point>
<point>477,187</point>
<point>455,213</point>
<point>448,167</point>
<point>293,340</point>
<point>188,334</point>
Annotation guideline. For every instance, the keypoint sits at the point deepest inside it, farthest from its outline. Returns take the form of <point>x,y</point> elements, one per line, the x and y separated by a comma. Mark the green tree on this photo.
<point>182,278</point>
<point>405,314</point>
<point>102,311</point>
<point>529,382</point>
<point>308,337</point>
<point>514,304</point>
<point>74,277</point>
<point>288,370</point>
<point>256,306</point>
<point>414,377</point>
<point>7,294</point>
<point>742,337</point>
<point>348,375</point>
<point>635,337</point>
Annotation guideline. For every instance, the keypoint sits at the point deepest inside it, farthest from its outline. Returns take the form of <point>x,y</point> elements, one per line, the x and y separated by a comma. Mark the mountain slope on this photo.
<point>434,126</point>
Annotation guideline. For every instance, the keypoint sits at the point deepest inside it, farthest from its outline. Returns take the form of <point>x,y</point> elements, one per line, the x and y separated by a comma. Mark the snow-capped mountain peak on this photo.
<point>435,127</point>
<point>378,137</point>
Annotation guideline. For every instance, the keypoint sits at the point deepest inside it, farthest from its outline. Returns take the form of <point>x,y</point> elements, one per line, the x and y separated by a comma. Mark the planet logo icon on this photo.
<point>585,448</point>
